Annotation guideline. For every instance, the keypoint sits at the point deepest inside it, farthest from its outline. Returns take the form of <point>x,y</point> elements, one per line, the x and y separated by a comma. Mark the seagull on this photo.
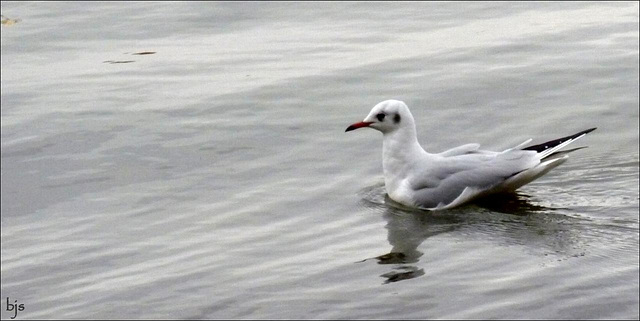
<point>416,178</point>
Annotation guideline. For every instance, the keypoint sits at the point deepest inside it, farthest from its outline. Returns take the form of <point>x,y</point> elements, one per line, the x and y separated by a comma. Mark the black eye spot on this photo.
<point>396,118</point>
<point>380,116</point>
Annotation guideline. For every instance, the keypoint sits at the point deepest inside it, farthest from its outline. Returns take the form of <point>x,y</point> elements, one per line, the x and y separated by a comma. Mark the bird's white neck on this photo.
<point>400,151</point>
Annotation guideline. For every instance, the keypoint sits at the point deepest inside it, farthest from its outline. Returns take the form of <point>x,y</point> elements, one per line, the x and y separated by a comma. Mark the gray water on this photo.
<point>189,160</point>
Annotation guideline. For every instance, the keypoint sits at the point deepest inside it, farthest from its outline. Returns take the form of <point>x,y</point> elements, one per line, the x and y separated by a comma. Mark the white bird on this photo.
<point>416,178</point>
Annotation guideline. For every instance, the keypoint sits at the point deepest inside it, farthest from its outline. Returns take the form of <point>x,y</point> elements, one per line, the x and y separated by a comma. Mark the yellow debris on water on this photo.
<point>8,22</point>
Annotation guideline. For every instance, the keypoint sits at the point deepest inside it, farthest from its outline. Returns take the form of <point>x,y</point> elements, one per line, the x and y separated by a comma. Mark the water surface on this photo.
<point>212,178</point>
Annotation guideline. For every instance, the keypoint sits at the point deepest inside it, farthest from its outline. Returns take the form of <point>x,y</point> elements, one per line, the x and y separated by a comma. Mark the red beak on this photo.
<point>358,125</point>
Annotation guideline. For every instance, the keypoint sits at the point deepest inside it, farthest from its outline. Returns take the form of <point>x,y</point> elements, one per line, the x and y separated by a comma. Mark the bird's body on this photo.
<point>416,178</point>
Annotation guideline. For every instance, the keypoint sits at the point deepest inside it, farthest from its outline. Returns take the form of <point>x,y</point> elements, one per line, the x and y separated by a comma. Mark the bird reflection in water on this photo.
<point>409,228</point>
<point>511,203</point>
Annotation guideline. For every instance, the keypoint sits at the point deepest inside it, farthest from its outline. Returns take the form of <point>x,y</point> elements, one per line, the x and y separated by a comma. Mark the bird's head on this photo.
<point>387,117</point>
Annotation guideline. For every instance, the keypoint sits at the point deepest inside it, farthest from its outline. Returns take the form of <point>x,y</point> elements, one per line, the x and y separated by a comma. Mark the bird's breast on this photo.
<point>401,192</point>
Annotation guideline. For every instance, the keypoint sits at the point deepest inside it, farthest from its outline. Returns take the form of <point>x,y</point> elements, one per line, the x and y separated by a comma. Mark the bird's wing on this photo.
<point>463,173</point>
<point>449,181</point>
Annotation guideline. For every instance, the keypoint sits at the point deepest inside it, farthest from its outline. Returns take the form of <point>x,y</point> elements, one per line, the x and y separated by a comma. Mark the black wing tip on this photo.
<point>552,143</point>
